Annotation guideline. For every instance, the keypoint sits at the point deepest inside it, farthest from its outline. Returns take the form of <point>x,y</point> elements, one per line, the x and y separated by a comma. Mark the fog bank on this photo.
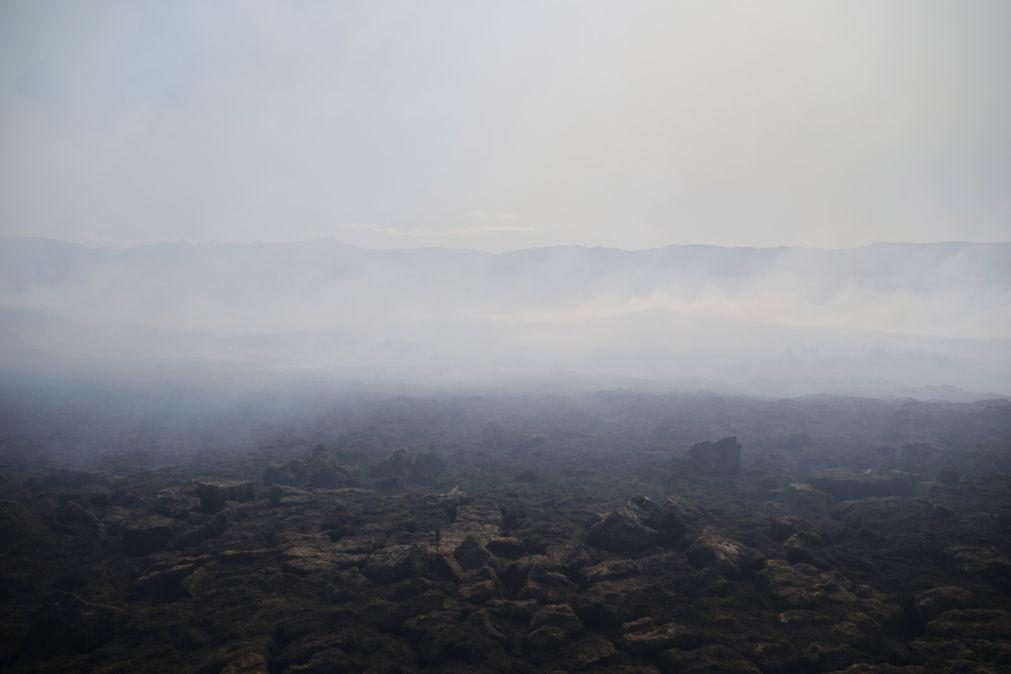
<point>892,319</point>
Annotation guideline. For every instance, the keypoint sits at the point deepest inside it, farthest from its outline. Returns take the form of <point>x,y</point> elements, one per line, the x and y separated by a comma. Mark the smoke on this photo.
<point>884,319</point>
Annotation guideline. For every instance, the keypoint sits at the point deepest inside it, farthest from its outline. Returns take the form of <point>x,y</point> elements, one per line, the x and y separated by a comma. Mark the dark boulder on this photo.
<point>471,555</point>
<point>176,502</point>
<point>215,494</point>
<point>441,566</point>
<point>145,535</point>
<point>613,569</point>
<point>556,615</point>
<point>621,531</point>
<point>388,565</point>
<point>637,526</point>
<point>428,466</point>
<point>684,511</point>
<point>319,470</point>
<point>506,547</point>
<point>731,559</point>
<point>397,465</point>
<point>214,528</point>
<point>802,546</point>
<point>666,519</point>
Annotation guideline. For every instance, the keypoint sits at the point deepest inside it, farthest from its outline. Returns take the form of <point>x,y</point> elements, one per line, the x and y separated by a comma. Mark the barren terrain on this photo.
<point>607,532</point>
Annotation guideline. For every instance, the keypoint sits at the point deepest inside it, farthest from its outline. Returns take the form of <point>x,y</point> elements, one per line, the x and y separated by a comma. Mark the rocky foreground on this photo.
<point>709,557</point>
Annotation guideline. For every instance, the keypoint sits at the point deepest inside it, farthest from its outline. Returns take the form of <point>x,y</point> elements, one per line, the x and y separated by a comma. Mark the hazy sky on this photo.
<point>506,124</point>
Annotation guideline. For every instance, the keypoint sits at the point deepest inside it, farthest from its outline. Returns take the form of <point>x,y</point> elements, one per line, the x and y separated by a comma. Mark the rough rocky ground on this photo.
<point>609,533</point>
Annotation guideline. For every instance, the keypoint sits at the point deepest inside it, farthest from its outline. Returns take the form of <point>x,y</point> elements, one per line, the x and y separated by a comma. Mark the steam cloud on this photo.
<point>878,319</point>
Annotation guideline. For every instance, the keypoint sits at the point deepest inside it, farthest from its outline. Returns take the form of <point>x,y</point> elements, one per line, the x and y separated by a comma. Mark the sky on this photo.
<point>503,125</point>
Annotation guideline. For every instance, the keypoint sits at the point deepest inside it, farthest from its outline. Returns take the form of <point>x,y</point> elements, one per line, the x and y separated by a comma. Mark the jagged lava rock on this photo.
<point>506,547</point>
<point>471,555</point>
<point>637,526</point>
<point>214,494</point>
<point>319,470</point>
<point>731,559</point>
<point>388,565</point>
<point>556,615</point>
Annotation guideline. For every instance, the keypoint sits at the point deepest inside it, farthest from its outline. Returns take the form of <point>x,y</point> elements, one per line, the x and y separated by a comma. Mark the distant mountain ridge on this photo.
<point>802,320</point>
<point>27,261</point>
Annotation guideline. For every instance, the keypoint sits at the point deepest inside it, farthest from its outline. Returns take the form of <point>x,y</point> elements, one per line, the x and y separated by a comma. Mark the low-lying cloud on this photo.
<point>878,319</point>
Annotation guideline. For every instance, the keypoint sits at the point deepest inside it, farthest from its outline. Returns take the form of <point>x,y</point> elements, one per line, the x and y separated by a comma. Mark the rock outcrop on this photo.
<point>721,458</point>
<point>215,494</point>
<point>731,559</point>
<point>318,470</point>
<point>846,484</point>
<point>639,525</point>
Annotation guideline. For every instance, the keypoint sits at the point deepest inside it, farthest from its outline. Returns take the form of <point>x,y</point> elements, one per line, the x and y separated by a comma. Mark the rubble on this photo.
<point>618,559</point>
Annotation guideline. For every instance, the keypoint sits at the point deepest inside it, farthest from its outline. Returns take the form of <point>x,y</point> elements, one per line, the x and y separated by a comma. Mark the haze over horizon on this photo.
<point>676,191</point>
<point>503,251</point>
<point>505,336</point>
<point>882,319</point>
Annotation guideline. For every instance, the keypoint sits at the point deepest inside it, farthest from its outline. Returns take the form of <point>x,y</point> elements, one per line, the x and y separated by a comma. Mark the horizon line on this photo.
<point>333,240</point>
